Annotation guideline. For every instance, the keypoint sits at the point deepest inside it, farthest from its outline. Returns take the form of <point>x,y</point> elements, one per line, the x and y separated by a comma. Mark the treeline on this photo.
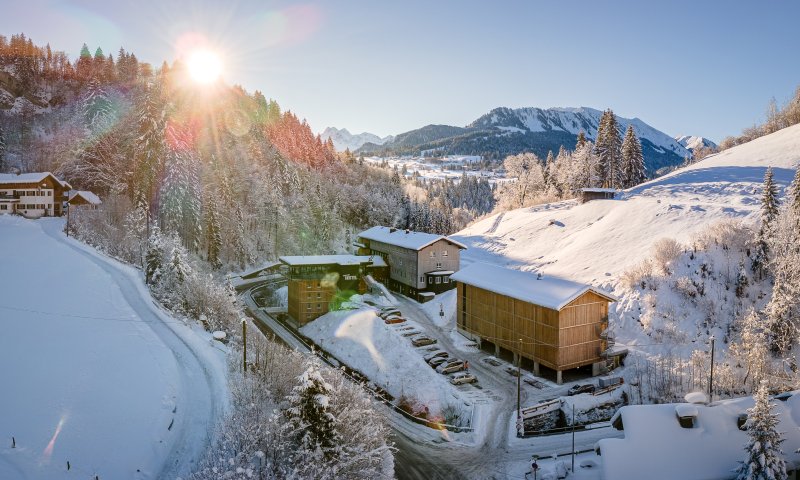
<point>613,161</point>
<point>777,118</point>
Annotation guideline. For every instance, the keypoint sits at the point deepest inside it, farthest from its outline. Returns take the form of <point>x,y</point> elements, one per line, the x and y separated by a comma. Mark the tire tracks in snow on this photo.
<point>198,403</point>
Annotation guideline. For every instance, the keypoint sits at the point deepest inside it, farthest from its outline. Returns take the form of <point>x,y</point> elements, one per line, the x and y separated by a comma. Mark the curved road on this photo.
<point>200,392</point>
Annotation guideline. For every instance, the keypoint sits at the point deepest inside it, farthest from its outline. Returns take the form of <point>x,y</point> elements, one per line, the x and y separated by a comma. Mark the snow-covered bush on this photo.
<point>665,251</point>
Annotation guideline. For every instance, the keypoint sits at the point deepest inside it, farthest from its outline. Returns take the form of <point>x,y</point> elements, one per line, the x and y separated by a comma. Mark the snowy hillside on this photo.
<point>343,139</point>
<point>573,121</point>
<point>692,142</point>
<point>597,241</point>
<point>93,373</point>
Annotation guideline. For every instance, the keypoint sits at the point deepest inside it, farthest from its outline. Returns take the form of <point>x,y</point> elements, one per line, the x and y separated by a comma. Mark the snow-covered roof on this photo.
<point>299,260</point>
<point>441,272</point>
<point>550,292</point>
<point>656,447</point>
<point>86,195</point>
<point>405,238</point>
<point>34,177</point>
<point>599,190</point>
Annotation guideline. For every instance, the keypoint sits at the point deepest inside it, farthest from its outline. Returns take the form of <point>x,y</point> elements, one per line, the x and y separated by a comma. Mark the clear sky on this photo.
<point>686,67</point>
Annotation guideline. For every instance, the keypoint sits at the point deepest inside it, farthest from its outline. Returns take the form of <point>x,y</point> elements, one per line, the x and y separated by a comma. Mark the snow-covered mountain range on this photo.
<point>692,142</point>
<point>505,131</point>
<point>343,139</point>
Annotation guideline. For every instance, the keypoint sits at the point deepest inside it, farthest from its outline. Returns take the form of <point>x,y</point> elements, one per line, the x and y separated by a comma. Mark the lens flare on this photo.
<point>204,66</point>
<point>48,451</point>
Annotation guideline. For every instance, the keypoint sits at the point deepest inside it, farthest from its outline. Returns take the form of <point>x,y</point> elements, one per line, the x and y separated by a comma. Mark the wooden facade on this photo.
<point>315,281</point>
<point>43,196</point>
<point>559,339</point>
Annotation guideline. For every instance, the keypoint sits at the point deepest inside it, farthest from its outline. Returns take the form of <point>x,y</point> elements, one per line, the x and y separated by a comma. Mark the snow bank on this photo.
<point>361,340</point>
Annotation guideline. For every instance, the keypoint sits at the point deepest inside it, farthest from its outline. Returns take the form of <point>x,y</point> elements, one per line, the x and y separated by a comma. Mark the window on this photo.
<point>446,280</point>
<point>438,264</point>
<point>319,306</point>
<point>3,207</point>
<point>308,306</point>
<point>422,279</point>
<point>438,280</point>
<point>444,253</point>
<point>433,254</point>
<point>318,295</point>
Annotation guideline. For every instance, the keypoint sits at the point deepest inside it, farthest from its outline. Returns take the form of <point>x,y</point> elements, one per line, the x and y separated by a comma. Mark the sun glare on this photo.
<point>204,66</point>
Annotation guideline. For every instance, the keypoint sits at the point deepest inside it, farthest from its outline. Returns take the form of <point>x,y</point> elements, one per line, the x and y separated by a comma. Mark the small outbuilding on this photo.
<point>84,199</point>
<point>588,194</point>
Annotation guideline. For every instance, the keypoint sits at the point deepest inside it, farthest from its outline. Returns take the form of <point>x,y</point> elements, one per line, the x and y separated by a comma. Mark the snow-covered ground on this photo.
<point>597,241</point>
<point>438,168</point>
<point>92,372</point>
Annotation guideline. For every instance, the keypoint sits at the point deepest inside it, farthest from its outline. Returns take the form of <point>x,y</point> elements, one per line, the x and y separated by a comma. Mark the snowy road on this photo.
<point>110,383</point>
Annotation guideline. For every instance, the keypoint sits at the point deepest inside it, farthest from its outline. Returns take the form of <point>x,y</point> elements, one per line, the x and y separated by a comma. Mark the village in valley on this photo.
<point>197,282</point>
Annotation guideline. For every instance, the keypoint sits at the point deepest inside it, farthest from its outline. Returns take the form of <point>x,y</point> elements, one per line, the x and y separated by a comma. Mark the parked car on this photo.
<point>463,377</point>
<point>370,303</point>
<point>435,362</point>
<point>422,340</point>
<point>576,389</point>
<point>411,333</point>
<point>436,353</point>
<point>394,320</point>
<point>451,367</point>
<point>389,311</point>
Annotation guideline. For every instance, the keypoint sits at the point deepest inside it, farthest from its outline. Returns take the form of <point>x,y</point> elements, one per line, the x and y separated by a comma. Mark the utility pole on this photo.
<point>573,438</point>
<point>711,381</point>
<point>519,376</point>
<point>68,209</point>
<point>244,343</point>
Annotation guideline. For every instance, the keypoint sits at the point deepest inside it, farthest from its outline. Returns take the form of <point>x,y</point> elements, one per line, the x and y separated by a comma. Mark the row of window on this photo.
<point>29,193</point>
<point>444,253</point>
<point>31,206</point>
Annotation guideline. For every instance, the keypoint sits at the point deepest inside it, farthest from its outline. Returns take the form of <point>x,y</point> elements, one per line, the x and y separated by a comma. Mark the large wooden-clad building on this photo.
<point>33,194</point>
<point>561,324</point>
<point>314,280</point>
<point>418,262</point>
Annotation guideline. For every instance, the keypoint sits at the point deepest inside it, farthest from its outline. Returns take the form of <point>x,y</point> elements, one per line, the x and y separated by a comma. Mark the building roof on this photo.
<point>656,447</point>
<point>299,260</point>
<point>86,195</point>
<point>35,177</point>
<point>550,292</point>
<point>405,238</point>
<point>599,190</point>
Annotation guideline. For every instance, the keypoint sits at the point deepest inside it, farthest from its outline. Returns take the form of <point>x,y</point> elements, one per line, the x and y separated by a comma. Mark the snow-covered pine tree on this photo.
<point>633,170</point>
<point>3,150</point>
<point>764,459</point>
<point>741,280</point>
<point>581,140</point>
<point>180,190</point>
<point>784,305</point>
<point>96,109</point>
<point>769,211</point>
<point>311,426</point>
<point>213,237</point>
<point>154,256</point>
<point>608,147</point>
<point>149,145</point>
<point>794,195</point>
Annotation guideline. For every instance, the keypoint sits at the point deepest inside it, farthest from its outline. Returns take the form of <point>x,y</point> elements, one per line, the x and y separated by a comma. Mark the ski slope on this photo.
<point>92,372</point>
<point>597,241</point>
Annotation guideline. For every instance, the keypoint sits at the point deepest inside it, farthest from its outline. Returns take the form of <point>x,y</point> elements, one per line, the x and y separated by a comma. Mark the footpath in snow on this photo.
<point>93,373</point>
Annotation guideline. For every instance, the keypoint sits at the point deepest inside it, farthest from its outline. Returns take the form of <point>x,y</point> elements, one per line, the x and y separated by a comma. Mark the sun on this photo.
<point>205,66</point>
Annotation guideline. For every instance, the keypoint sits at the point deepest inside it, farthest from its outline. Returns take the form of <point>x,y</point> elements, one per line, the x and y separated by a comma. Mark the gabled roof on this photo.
<point>550,292</point>
<point>656,447</point>
<point>86,195</point>
<point>34,177</point>
<point>406,238</point>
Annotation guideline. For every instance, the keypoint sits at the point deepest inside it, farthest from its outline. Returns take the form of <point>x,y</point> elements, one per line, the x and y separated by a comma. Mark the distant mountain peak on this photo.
<point>343,139</point>
<point>692,142</point>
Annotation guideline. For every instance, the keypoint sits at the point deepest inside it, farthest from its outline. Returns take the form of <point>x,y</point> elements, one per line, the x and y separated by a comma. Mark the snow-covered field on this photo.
<point>438,169</point>
<point>360,339</point>
<point>92,373</point>
<point>597,241</point>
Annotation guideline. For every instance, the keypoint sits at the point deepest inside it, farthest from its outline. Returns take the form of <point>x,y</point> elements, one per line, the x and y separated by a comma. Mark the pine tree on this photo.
<point>794,194</point>
<point>633,169</point>
<point>149,145</point>
<point>764,459</point>
<point>311,426</point>
<point>3,150</point>
<point>154,256</point>
<point>96,109</point>
<point>608,147</point>
<point>769,212</point>
<point>180,192</point>
<point>581,140</point>
<point>213,237</point>
<point>741,280</point>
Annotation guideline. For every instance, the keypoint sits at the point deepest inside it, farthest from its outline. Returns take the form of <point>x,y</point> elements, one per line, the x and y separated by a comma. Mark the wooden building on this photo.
<point>418,262</point>
<point>315,280</point>
<point>588,194</point>
<point>33,195</point>
<point>84,199</point>
<point>561,324</point>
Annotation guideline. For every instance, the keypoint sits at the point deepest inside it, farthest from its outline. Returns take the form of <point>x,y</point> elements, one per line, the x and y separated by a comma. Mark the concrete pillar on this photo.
<point>559,380</point>
<point>596,368</point>
<point>536,368</point>
<point>497,350</point>
<point>516,359</point>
